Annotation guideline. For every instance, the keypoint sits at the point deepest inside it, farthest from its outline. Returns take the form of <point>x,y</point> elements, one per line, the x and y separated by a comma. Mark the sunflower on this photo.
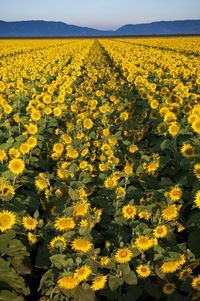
<point>106,132</point>
<point>152,167</point>
<point>31,141</point>
<point>8,109</point>
<point>82,273</point>
<point>196,295</point>
<point>2,154</point>
<point>68,282</point>
<point>80,210</point>
<point>32,238</point>
<point>197,170</point>
<point>196,283</point>
<point>143,270</point>
<point>83,223</point>
<point>57,112</point>
<point>32,129</point>
<point>66,138</point>
<point>84,152</point>
<point>128,170</point>
<point>174,128</point>
<point>62,174</point>
<point>187,151</point>
<point>29,223</point>
<point>143,243</point>
<point>169,117</point>
<point>185,273</point>
<point>110,183</point>
<point>182,259</point>
<point>81,245</point>
<point>47,99</point>
<point>129,211</point>
<point>98,282</point>
<point>123,255</point>
<point>24,148</point>
<point>83,164</point>
<point>196,125</point>
<point>160,231</point>
<point>72,153</point>
<point>170,213</point>
<point>120,192</point>
<point>102,166</point>
<point>47,111</point>
<point>35,115</point>
<point>144,214</point>
<point>58,242</point>
<point>58,148</point>
<point>197,199</point>
<point>16,166</point>
<point>170,267</point>
<point>105,260</point>
<point>88,123</point>
<point>175,193</point>
<point>7,220</point>
<point>7,191</point>
<point>55,156</point>
<point>13,153</point>
<point>133,148</point>
<point>168,288</point>
<point>41,184</point>
<point>64,224</point>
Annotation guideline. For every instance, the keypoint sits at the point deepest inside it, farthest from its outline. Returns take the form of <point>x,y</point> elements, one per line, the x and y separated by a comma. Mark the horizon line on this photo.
<point>31,20</point>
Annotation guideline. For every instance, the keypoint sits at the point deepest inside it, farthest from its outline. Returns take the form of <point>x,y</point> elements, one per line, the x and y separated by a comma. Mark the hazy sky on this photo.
<point>100,14</point>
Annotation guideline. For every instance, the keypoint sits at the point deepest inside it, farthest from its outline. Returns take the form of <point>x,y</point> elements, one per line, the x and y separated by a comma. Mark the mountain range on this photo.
<point>51,28</point>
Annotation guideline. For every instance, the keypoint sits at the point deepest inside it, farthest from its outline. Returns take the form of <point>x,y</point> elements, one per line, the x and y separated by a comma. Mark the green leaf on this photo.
<point>78,260</point>
<point>5,238</point>
<point>136,291</point>
<point>139,170</point>
<point>10,140</point>
<point>8,296</point>
<point>47,280</point>
<point>59,261</point>
<point>186,286</point>
<point>124,268</point>
<point>113,282</point>
<point>69,261</point>
<point>135,252</point>
<point>83,293</point>
<point>174,256</point>
<point>159,272</point>
<point>10,280</point>
<point>153,290</point>
<point>193,220</point>
<point>42,259</point>
<point>193,242</point>
<point>73,194</point>
<point>16,248</point>
<point>131,278</point>
<point>22,264</point>
<point>158,253</point>
<point>72,169</point>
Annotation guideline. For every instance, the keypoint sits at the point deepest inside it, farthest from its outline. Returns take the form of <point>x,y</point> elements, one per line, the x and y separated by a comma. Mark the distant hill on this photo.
<point>50,28</point>
<point>45,28</point>
<point>162,27</point>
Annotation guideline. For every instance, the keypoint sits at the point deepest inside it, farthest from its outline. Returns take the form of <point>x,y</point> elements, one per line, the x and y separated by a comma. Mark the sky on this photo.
<point>99,14</point>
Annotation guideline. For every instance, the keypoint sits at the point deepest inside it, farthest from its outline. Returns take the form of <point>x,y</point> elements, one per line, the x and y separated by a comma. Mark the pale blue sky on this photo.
<point>100,14</point>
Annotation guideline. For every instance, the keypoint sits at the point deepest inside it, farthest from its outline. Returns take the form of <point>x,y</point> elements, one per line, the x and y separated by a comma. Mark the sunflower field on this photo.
<point>100,169</point>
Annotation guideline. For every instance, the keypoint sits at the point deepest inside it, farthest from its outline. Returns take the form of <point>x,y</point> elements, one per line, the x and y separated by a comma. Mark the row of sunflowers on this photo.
<point>100,169</point>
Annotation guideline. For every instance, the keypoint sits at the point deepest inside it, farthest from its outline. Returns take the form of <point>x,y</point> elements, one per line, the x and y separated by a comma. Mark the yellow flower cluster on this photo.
<point>99,162</point>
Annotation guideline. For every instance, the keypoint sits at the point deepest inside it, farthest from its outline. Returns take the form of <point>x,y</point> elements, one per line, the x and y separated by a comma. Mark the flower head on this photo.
<point>7,220</point>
